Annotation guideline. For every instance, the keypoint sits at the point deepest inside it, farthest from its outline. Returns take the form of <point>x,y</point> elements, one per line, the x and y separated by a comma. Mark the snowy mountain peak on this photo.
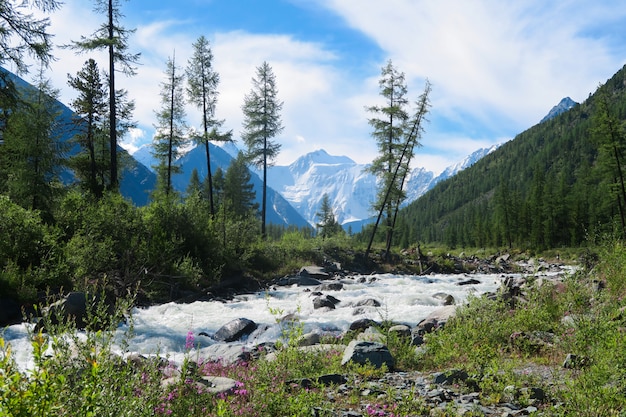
<point>563,106</point>
<point>318,157</point>
<point>350,188</point>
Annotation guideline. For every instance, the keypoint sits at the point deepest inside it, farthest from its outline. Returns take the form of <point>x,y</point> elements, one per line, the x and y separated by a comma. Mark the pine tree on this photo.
<point>261,123</point>
<point>170,136</point>
<point>202,81</point>
<point>114,39</point>
<point>90,109</point>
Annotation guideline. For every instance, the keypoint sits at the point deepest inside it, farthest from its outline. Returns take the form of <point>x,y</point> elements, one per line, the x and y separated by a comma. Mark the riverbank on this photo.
<point>499,355</point>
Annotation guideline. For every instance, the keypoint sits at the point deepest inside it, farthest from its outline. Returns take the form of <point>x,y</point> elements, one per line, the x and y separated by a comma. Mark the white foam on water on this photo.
<point>163,329</point>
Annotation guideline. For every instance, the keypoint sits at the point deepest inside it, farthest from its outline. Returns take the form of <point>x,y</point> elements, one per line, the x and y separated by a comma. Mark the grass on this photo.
<point>507,349</point>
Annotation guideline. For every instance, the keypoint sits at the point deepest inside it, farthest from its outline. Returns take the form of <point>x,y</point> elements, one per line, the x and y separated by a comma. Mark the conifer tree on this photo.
<point>202,81</point>
<point>23,34</point>
<point>195,186</point>
<point>389,124</point>
<point>90,109</point>
<point>32,148</point>
<point>238,191</point>
<point>327,225</point>
<point>170,136</point>
<point>113,38</point>
<point>262,122</point>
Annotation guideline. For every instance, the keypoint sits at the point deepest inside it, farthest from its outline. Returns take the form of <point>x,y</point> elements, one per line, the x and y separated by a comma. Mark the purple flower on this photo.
<point>189,340</point>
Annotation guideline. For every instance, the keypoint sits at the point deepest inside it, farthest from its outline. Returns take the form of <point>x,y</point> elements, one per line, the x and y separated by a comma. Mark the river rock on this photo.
<point>308,339</point>
<point>368,302</point>
<point>313,271</point>
<point>446,299</point>
<point>362,324</point>
<point>10,312</point>
<point>218,385</point>
<point>325,301</point>
<point>329,286</point>
<point>235,330</point>
<point>400,330</point>
<point>227,354</point>
<point>363,352</point>
<point>72,307</point>
<point>470,281</point>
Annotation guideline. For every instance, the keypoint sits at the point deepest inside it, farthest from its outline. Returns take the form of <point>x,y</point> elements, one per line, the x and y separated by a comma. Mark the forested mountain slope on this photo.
<point>550,186</point>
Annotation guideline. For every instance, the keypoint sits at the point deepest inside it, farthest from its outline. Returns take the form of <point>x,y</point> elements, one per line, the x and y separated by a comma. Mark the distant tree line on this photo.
<point>560,183</point>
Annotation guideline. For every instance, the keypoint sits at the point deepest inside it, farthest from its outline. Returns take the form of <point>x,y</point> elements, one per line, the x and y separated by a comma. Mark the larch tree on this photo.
<point>113,38</point>
<point>171,127</point>
<point>202,82</point>
<point>262,122</point>
<point>22,35</point>
<point>90,109</point>
<point>327,223</point>
<point>389,125</point>
<point>33,148</point>
<point>238,189</point>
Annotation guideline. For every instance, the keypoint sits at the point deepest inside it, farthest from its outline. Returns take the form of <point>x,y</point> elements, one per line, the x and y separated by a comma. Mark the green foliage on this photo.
<point>90,164</point>
<point>262,122</point>
<point>328,225</point>
<point>32,148</point>
<point>549,187</point>
<point>170,136</point>
<point>30,260</point>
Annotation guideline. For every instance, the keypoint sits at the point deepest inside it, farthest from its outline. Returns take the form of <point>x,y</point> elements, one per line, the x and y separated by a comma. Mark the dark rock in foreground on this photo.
<point>363,352</point>
<point>235,330</point>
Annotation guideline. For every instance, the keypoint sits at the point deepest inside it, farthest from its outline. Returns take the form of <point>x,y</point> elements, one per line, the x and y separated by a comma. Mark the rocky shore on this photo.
<point>447,392</point>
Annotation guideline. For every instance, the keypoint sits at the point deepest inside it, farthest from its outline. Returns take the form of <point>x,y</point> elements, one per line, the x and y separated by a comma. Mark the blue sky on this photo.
<point>496,67</point>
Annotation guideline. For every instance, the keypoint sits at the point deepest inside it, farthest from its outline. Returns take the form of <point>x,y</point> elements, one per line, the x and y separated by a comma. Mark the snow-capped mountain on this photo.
<point>350,188</point>
<point>279,211</point>
<point>563,106</point>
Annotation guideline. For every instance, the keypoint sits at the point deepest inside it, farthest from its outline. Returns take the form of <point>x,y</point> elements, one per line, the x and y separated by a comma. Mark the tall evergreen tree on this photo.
<point>397,135</point>
<point>23,34</point>
<point>90,109</point>
<point>262,122</point>
<point>608,131</point>
<point>327,224</point>
<point>202,81</point>
<point>33,148</point>
<point>113,38</point>
<point>238,191</point>
<point>389,124</point>
<point>170,136</point>
<point>195,186</point>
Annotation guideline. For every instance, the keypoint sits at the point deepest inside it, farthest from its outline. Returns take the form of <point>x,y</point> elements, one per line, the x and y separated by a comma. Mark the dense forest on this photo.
<point>64,223</point>
<point>559,183</point>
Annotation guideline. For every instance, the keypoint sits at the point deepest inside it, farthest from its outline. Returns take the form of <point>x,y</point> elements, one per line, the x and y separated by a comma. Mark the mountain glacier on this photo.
<point>350,188</point>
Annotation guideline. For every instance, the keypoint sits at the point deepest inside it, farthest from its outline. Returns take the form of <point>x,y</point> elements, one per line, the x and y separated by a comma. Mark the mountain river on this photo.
<point>407,299</point>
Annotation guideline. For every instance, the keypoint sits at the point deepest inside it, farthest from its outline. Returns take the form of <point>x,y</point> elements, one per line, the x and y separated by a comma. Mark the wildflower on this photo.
<point>189,340</point>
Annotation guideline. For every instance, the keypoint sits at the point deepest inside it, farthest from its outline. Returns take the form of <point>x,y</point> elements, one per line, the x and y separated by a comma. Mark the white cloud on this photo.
<point>496,69</point>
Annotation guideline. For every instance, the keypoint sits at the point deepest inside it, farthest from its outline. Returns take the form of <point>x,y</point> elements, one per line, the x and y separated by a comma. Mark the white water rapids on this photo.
<point>404,299</point>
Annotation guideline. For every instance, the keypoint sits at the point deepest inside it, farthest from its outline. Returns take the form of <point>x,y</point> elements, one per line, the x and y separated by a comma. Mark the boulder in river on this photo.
<point>325,301</point>
<point>235,330</point>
